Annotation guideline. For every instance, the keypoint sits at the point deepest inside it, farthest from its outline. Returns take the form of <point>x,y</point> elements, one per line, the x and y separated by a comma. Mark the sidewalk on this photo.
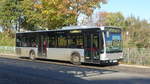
<point>13,56</point>
<point>136,66</point>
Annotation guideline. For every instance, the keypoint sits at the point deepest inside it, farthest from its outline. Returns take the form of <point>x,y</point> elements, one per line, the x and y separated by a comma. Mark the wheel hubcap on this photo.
<point>76,59</point>
<point>32,56</point>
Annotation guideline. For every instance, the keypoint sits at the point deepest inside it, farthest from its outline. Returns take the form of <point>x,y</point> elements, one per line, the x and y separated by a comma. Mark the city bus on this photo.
<point>76,44</point>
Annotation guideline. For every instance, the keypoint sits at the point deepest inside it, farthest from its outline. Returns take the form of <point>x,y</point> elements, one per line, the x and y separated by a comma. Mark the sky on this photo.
<point>137,8</point>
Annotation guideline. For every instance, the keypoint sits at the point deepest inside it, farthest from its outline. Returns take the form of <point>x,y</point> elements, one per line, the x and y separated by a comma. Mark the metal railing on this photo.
<point>138,56</point>
<point>7,50</point>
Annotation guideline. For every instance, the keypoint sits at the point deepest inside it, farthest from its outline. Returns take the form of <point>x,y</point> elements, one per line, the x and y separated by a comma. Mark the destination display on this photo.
<point>113,30</point>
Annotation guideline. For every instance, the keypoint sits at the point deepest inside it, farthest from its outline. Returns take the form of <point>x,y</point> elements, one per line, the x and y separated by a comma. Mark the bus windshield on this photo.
<point>113,42</point>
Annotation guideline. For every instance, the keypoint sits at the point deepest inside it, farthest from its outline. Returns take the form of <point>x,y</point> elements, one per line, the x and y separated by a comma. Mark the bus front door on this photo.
<point>91,48</point>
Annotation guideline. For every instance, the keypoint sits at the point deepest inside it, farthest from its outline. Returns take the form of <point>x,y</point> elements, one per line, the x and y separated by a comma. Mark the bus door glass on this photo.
<point>42,45</point>
<point>91,47</point>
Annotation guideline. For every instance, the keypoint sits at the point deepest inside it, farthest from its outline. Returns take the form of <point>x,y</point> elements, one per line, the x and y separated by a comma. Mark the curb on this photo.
<point>9,56</point>
<point>136,66</point>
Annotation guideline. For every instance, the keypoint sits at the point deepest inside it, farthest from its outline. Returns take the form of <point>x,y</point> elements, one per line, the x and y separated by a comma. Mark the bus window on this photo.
<point>72,43</point>
<point>26,41</point>
<point>52,41</point>
<point>33,43</point>
<point>80,42</point>
<point>18,42</point>
<point>75,42</point>
<point>62,42</point>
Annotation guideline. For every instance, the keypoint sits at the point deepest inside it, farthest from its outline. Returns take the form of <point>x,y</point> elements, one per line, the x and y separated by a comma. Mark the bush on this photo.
<point>7,39</point>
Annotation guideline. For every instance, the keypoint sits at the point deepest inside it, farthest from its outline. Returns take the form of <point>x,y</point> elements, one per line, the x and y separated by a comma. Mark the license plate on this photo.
<point>115,61</point>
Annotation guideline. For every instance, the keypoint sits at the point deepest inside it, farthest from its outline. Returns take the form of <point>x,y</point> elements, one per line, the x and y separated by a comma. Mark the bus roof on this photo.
<point>70,28</point>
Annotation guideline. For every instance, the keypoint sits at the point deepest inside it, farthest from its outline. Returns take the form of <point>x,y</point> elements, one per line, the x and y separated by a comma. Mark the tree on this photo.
<point>9,13</point>
<point>138,32</point>
<point>84,6</point>
<point>56,13</point>
<point>111,19</point>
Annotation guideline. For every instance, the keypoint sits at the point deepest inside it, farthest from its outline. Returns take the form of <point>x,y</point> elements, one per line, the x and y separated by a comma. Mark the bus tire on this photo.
<point>32,55</point>
<point>75,59</point>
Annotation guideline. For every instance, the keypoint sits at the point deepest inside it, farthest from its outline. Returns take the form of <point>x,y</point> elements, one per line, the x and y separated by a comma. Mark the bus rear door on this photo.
<point>42,46</point>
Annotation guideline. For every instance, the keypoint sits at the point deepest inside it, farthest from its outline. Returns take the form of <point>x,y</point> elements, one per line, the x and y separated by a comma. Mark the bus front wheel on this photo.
<point>75,59</point>
<point>32,55</point>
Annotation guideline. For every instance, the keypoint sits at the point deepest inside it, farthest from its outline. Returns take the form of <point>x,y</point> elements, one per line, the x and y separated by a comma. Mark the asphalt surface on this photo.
<point>13,71</point>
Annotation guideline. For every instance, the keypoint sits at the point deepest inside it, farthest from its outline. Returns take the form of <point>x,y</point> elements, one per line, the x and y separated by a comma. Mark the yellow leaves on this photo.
<point>103,14</point>
<point>39,6</point>
<point>66,1</point>
<point>46,0</point>
<point>50,2</point>
<point>60,6</point>
<point>53,1</point>
<point>45,12</point>
<point>48,13</point>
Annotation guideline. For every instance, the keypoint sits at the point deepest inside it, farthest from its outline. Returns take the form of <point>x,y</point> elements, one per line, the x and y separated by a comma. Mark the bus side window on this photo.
<point>73,43</point>
<point>33,43</point>
<point>62,42</point>
<point>52,42</point>
<point>18,42</point>
<point>80,45</point>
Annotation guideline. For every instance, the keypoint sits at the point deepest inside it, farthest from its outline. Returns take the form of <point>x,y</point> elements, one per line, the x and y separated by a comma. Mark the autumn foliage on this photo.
<point>56,13</point>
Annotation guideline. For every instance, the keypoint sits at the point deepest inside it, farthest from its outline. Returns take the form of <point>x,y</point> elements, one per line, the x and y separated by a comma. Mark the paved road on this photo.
<point>26,72</point>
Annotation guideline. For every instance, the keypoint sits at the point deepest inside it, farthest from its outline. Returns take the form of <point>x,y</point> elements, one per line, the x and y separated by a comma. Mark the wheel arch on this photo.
<point>75,52</point>
<point>32,50</point>
<point>72,57</point>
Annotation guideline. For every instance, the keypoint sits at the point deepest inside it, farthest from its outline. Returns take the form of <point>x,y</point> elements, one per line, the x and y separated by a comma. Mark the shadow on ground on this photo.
<point>86,64</point>
<point>27,72</point>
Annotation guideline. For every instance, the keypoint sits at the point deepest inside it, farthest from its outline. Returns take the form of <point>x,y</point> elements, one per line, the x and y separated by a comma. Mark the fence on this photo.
<point>139,56</point>
<point>6,50</point>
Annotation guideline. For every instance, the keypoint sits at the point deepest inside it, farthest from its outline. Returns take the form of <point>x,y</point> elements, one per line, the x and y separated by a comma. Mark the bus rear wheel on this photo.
<point>75,59</point>
<point>32,55</point>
